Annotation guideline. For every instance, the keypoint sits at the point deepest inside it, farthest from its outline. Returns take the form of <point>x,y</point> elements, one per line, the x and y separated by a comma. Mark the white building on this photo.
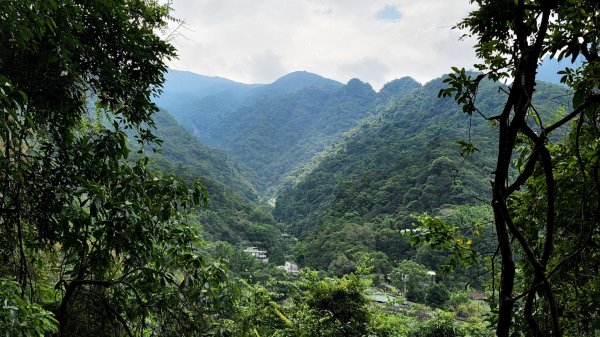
<point>257,253</point>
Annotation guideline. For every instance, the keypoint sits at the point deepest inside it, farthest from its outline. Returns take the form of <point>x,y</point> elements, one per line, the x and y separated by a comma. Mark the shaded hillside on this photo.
<point>405,161</point>
<point>183,155</point>
<point>275,129</point>
<point>280,131</point>
<point>233,213</point>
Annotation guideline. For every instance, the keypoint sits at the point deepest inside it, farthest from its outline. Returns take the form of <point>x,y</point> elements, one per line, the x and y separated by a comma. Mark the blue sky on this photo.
<point>389,13</point>
<point>258,41</point>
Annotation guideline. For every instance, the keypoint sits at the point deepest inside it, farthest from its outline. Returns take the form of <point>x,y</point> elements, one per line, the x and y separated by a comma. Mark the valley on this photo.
<point>331,176</point>
<point>137,200</point>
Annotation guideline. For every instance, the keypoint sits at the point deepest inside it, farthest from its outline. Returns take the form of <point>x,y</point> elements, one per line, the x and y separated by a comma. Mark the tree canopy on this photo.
<point>89,233</point>
<point>543,241</point>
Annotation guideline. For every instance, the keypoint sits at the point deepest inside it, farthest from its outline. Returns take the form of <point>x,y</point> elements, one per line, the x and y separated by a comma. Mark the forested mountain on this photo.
<point>405,161</point>
<point>183,89</point>
<point>207,105</point>
<point>274,129</point>
<point>233,213</point>
<point>402,159</point>
<point>384,198</point>
<point>182,154</point>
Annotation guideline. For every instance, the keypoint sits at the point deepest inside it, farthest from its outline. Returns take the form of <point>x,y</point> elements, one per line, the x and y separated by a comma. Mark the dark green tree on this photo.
<point>437,295</point>
<point>88,232</point>
<point>513,37</point>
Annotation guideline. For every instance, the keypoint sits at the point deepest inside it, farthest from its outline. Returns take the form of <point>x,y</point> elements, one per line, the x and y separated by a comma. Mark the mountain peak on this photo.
<point>356,86</point>
<point>303,79</point>
<point>398,88</point>
<point>299,74</point>
<point>357,82</point>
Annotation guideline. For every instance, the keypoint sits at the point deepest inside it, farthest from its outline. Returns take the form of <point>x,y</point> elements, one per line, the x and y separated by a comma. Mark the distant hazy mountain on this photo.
<point>396,89</point>
<point>295,81</point>
<point>548,70</point>
<point>273,128</point>
<point>185,82</point>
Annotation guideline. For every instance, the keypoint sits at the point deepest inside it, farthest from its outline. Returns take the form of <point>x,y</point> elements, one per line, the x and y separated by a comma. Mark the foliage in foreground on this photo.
<point>93,241</point>
<point>312,306</point>
<point>545,198</point>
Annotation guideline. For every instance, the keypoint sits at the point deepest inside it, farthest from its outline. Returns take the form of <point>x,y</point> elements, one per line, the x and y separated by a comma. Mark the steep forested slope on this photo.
<point>182,154</point>
<point>280,131</point>
<point>404,161</point>
<point>276,128</point>
<point>233,213</point>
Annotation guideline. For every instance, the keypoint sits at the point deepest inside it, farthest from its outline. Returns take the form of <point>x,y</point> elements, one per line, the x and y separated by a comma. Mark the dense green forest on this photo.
<point>277,128</point>
<point>138,200</point>
<point>404,162</point>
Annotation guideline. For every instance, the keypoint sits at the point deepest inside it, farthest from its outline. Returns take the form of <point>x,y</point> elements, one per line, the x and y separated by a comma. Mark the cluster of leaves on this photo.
<point>573,264</point>
<point>20,317</point>
<point>513,37</point>
<point>312,306</point>
<point>89,233</point>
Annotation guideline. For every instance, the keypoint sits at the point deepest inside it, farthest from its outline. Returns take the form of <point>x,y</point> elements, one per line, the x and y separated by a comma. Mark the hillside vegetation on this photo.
<point>404,161</point>
<point>304,207</point>
<point>272,129</point>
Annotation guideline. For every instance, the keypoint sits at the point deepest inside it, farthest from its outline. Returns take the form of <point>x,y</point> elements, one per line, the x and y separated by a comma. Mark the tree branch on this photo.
<point>527,172</point>
<point>564,120</point>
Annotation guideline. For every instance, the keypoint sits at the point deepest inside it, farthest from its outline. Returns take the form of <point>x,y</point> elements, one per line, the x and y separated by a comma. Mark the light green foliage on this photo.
<point>437,233</point>
<point>417,280</point>
<point>313,307</point>
<point>459,241</point>
<point>474,311</point>
<point>20,317</point>
<point>386,324</point>
<point>442,324</point>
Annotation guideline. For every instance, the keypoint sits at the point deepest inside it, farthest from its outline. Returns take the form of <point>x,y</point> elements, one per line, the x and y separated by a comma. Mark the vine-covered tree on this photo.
<point>557,236</point>
<point>91,238</point>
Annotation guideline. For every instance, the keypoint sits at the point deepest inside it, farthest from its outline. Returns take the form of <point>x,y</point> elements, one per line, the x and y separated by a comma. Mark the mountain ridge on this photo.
<point>291,120</point>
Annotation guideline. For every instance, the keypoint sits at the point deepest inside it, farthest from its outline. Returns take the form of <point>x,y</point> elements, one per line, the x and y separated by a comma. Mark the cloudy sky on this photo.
<point>258,41</point>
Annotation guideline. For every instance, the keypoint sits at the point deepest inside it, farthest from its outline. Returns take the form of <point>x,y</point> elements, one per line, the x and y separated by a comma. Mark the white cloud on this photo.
<point>367,69</point>
<point>257,41</point>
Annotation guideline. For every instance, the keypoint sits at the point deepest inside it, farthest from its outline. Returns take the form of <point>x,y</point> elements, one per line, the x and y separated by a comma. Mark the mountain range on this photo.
<point>320,159</point>
<point>276,128</point>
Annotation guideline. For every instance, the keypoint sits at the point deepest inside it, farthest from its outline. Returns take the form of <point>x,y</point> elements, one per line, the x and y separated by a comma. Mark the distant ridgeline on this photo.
<point>404,161</point>
<point>273,129</point>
